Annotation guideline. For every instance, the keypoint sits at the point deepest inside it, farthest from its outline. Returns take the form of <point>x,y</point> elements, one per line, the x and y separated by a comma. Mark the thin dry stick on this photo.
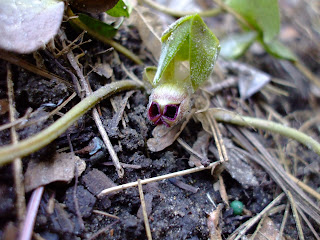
<point>96,116</point>
<point>276,171</point>
<point>106,214</point>
<point>33,207</point>
<point>155,179</point>
<point>223,147</point>
<point>218,139</point>
<point>253,236</point>
<point>11,58</point>
<point>302,68</point>
<point>295,215</point>
<point>306,125</point>
<point>108,144</point>
<point>17,163</point>
<point>305,187</point>
<point>284,221</point>
<point>18,121</point>
<point>223,191</point>
<point>189,149</point>
<point>71,45</point>
<point>253,220</point>
<point>144,211</point>
<point>53,112</point>
<point>102,230</point>
<point>308,223</point>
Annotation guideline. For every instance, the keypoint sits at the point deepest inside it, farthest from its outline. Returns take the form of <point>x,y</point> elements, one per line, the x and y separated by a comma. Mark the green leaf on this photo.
<point>189,51</point>
<point>149,74</point>
<point>98,26</point>
<point>235,45</point>
<point>277,49</point>
<point>262,14</point>
<point>119,10</point>
<point>204,49</point>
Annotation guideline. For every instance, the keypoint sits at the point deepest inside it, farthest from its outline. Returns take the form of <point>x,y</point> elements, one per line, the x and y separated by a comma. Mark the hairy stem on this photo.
<point>46,136</point>
<point>233,118</point>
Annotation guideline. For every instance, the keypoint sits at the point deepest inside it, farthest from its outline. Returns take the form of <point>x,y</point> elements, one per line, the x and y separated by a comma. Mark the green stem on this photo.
<point>46,136</point>
<point>103,39</point>
<point>208,13</point>
<point>229,117</point>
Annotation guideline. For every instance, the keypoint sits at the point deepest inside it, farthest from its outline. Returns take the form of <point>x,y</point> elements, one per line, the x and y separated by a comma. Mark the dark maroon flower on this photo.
<point>168,105</point>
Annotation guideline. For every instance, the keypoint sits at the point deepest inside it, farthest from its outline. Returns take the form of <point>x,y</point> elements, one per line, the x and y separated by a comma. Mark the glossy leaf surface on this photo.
<point>236,44</point>
<point>119,10</point>
<point>277,49</point>
<point>98,26</point>
<point>263,15</point>
<point>189,51</point>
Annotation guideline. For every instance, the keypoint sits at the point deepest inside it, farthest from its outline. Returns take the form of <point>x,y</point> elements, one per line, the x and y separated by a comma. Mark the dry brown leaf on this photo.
<point>213,224</point>
<point>103,69</point>
<point>164,136</point>
<point>60,168</point>
<point>149,27</point>
<point>199,146</point>
<point>268,231</point>
<point>238,166</point>
<point>223,191</point>
<point>4,106</point>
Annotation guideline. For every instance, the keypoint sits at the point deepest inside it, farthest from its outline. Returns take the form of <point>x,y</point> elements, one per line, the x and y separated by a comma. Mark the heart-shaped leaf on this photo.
<point>236,44</point>
<point>27,25</point>
<point>188,53</point>
<point>262,14</point>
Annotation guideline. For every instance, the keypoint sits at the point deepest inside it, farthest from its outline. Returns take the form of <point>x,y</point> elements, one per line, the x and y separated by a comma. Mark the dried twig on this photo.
<point>144,211</point>
<point>10,57</point>
<point>284,221</point>
<point>85,85</point>
<point>18,122</point>
<point>189,149</point>
<point>295,215</point>
<point>102,230</point>
<point>17,163</point>
<point>309,224</point>
<point>155,179</point>
<point>252,221</point>
<point>217,138</point>
<point>106,214</point>
<point>305,187</point>
<point>53,112</point>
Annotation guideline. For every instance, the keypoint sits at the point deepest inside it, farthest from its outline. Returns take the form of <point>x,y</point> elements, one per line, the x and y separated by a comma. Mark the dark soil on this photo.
<point>174,212</point>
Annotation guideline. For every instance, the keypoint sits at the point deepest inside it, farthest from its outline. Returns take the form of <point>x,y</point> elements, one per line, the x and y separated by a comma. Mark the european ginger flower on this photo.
<point>189,51</point>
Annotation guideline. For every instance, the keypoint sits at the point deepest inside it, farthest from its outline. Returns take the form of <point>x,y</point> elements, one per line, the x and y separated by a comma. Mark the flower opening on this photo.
<point>168,105</point>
